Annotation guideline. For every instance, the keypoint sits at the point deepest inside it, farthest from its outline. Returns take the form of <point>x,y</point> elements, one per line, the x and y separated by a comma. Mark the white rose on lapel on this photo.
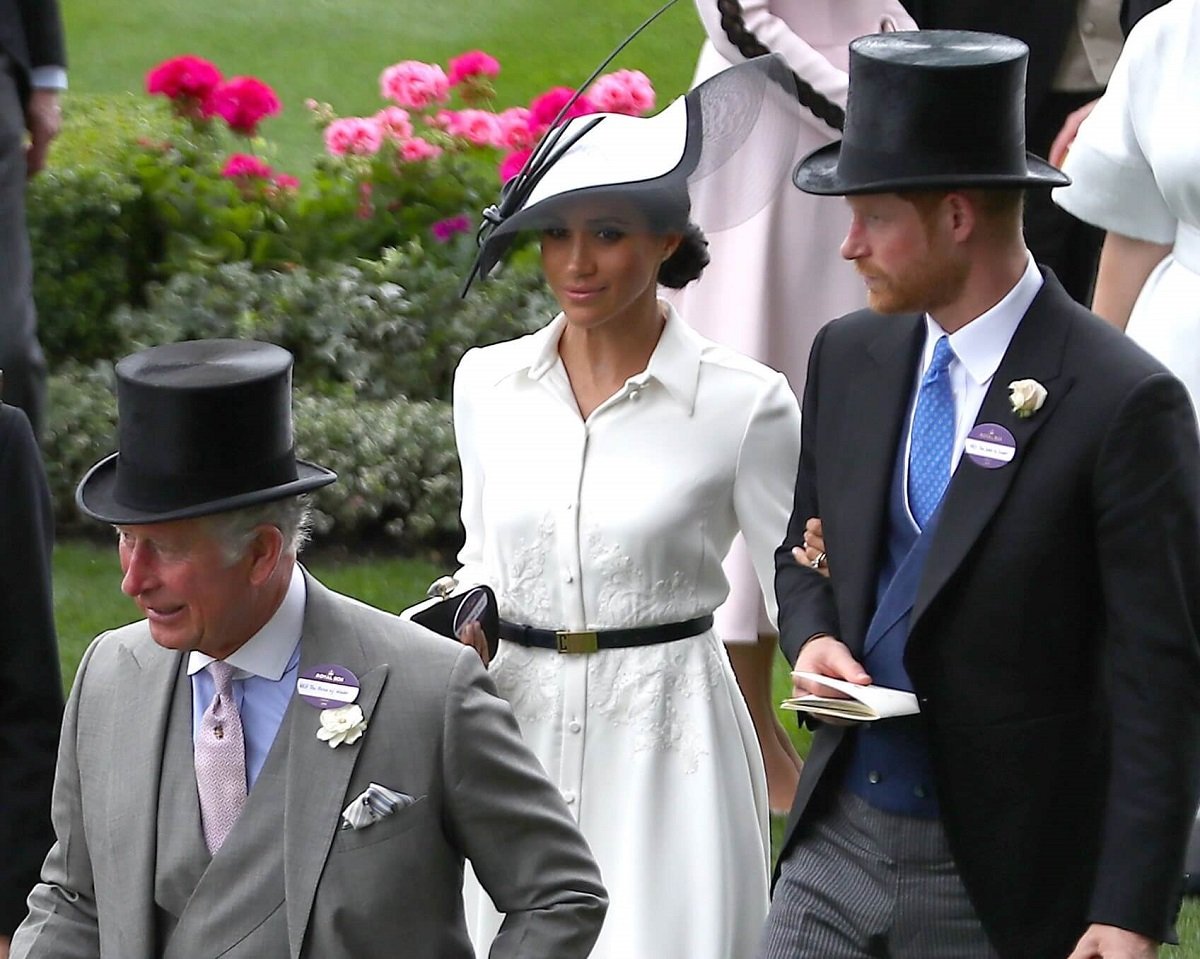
<point>342,725</point>
<point>1026,396</point>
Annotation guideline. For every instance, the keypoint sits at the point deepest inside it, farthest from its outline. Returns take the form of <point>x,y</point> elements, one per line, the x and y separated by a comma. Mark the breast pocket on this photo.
<point>398,823</point>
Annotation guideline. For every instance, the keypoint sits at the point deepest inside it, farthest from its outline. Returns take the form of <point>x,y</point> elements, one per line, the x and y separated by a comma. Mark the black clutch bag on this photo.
<point>447,611</point>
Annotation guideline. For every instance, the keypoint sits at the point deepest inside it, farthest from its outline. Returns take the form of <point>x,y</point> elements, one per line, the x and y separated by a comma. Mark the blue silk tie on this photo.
<point>932,444</point>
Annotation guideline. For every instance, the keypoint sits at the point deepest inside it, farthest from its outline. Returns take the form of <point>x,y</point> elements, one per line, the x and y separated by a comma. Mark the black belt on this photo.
<point>588,641</point>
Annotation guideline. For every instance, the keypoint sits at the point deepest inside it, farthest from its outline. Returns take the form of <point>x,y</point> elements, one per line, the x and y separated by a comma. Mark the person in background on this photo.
<point>1007,490</point>
<point>32,73</point>
<point>262,767</point>
<point>30,683</point>
<point>775,279</point>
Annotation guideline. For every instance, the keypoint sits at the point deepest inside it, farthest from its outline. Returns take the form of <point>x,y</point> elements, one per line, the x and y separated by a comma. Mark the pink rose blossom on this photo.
<point>514,128</point>
<point>414,85</point>
<point>184,78</point>
<point>511,165</point>
<point>394,123</point>
<point>474,63</point>
<point>444,230</point>
<point>415,149</point>
<point>359,136</point>
<point>480,128</point>
<point>624,91</point>
<point>243,103</point>
<point>545,108</point>
<point>244,166</point>
<point>285,181</point>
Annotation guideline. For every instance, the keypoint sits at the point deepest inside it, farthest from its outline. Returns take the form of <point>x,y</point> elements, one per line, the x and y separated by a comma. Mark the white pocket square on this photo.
<point>374,803</point>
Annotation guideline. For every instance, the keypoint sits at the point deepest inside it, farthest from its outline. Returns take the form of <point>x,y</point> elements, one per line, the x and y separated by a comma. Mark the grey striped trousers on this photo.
<point>867,884</point>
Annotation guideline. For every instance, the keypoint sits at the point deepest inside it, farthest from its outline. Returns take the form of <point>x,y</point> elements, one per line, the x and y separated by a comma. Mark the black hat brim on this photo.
<point>95,496</point>
<point>817,173</point>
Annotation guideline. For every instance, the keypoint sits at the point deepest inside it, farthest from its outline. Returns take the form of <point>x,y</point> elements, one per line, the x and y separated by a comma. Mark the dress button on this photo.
<point>874,776</point>
<point>569,796</point>
<point>569,578</point>
<point>574,725</point>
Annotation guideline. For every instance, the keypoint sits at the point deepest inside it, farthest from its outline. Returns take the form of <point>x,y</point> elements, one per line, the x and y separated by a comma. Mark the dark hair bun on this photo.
<point>687,262</point>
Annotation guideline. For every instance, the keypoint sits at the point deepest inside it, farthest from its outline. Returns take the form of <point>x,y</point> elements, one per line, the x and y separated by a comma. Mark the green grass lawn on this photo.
<point>88,599</point>
<point>334,52</point>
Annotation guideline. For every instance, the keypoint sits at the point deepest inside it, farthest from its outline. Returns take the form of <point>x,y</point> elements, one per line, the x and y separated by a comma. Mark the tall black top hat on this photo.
<point>203,427</point>
<point>930,109</point>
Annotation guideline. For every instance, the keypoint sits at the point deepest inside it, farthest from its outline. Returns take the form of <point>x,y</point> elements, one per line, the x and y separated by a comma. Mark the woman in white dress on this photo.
<point>1135,171</point>
<point>608,460</point>
<point>778,277</point>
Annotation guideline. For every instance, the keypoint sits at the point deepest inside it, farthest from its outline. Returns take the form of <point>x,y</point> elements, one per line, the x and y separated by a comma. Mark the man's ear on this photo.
<point>960,215</point>
<point>264,553</point>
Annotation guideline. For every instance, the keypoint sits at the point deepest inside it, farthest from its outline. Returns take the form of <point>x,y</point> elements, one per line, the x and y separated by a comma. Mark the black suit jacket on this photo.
<point>31,33</point>
<point>1054,641</point>
<point>31,700</point>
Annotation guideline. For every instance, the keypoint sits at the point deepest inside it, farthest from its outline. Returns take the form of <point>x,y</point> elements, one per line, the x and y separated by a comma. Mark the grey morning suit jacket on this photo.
<point>288,882</point>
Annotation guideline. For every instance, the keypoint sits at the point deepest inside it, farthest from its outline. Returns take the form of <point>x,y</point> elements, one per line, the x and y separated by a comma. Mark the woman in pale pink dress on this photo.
<point>778,277</point>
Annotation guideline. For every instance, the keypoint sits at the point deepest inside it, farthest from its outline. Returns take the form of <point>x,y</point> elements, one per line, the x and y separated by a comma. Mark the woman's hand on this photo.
<point>813,554</point>
<point>472,635</point>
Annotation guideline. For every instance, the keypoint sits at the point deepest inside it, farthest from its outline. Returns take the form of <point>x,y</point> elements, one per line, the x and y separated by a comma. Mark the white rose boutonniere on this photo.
<point>1026,396</point>
<point>342,725</point>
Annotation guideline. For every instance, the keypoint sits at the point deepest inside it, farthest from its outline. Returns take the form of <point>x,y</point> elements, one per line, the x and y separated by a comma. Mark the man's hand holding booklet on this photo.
<point>862,703</point>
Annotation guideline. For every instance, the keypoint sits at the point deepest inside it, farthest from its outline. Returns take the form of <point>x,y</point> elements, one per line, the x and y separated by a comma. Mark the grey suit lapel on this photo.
<point>975,493</point>
<point>317,776</point>
<point>141,694</point>
<point>877,397</point>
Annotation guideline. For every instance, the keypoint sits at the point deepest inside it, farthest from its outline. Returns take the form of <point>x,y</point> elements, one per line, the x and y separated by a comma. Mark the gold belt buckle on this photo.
<point>571,641</point>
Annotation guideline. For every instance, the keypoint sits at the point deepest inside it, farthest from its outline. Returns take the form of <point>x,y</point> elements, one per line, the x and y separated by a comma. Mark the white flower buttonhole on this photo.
<point>342,725</point>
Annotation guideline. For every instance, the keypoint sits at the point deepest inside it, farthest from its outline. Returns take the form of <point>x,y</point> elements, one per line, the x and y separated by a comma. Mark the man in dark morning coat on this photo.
<point>1009,492</point>
<point>30,685</point>
<point>32,72</point>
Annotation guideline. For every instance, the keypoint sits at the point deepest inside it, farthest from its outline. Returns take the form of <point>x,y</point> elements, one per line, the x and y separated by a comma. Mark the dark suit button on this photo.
<point>919,792</point>
<point>874,777</point>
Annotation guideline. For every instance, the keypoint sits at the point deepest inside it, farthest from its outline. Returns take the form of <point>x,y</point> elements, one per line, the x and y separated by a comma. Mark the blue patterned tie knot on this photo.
<point>932,445</point>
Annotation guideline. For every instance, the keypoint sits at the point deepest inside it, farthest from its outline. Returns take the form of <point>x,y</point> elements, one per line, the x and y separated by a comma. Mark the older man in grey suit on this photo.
<point>263,768</point>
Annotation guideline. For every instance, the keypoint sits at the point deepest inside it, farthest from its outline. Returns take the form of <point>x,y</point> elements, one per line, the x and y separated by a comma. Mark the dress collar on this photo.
<point>675,362</point>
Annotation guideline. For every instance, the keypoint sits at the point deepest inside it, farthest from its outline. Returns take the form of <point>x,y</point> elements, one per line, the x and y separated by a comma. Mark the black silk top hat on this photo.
<point>203,427</point>
<point>930,109</point>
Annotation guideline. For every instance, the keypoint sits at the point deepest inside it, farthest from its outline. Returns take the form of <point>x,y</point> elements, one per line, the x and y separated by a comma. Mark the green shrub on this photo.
<point>382,329</point>
<point>88,228</point>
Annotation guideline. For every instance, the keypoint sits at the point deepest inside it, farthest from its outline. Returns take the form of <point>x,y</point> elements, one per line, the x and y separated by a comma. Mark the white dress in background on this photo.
<point>1135,170</point>
<point>616,521</point>
<point>777,278</point>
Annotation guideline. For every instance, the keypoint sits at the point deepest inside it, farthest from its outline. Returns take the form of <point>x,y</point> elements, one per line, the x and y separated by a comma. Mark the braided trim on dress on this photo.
<point>749,46</point>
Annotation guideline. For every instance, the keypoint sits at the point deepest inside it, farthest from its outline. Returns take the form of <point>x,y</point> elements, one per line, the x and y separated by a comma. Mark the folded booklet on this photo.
<point>447,614</point>
<point>866,703</point>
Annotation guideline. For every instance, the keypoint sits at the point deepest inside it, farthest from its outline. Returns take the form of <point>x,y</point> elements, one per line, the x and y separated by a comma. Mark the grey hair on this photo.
<point>234,530</point>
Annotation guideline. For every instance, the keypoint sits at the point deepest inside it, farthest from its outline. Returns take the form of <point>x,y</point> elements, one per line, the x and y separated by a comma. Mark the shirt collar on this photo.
<point>269,651</point>
<point>675,362</point>
<point>981,344</point>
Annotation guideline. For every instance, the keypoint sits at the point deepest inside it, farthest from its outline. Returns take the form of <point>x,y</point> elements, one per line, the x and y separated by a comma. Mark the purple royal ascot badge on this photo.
<point>327,686</point>
<point>990,445</point>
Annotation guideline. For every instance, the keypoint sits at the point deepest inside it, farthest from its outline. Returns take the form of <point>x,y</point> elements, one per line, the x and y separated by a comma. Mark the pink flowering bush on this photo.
<point>243,103</point>
<point>438,151</point>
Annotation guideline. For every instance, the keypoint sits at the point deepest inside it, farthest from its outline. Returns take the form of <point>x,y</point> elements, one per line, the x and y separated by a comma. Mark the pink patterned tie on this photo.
<point>220,754</point>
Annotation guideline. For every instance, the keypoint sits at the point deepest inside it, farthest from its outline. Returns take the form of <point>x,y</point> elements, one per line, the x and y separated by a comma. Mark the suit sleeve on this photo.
<point>805,597</point>
<point>1147,491</point>
<point>30,684</point>
<point>62,921</point>
<point>43,26</point>
<point>515,828</point>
